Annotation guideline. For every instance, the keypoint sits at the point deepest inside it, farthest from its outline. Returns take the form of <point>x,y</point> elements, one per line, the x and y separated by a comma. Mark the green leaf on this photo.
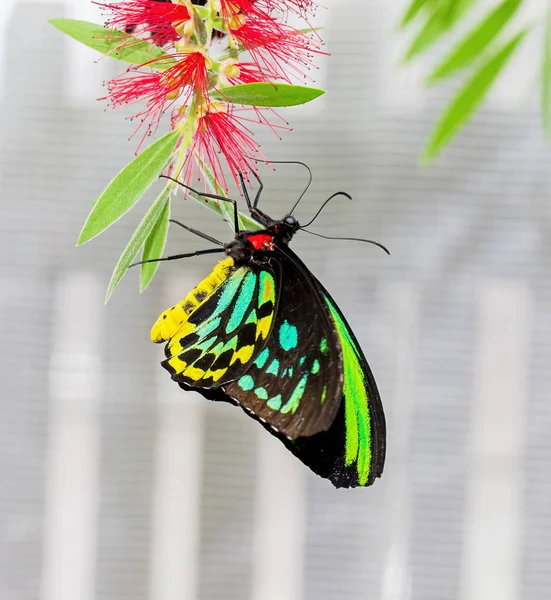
<point>199,28</point>
<point>267,94</point>
<point>469,97</point>
<point>109,41</point>
<point>413,10</point>
<point>546,79</point>
<point>154,247</point>
<point>446,14</point>
<point>476,41</point>
<point>137,241</point>
<point>128,186</point>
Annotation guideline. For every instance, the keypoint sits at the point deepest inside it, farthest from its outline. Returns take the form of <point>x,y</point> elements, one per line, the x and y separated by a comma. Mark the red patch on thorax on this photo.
<point>261,241</point>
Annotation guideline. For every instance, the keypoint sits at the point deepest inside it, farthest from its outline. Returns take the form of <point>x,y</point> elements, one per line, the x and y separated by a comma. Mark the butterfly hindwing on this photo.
<point>295,381</point>
<point>217,330</point>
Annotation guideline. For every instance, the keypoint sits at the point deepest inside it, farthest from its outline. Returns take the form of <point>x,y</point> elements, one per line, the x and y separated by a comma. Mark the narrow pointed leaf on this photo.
<point>199,28</point>
<point>137,241</point>
<point>546,79</point>
<point>115,44</point>
<point>128,186</point>
<point>413,10</point>
<point>469,98</point>
<point>154,247</point>
<point>267,94</point>
<point>445,16</point>
<point>476,41</point>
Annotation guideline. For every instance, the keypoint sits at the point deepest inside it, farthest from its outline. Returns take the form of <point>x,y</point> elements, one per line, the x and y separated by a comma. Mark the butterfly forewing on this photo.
<point>295,382</point>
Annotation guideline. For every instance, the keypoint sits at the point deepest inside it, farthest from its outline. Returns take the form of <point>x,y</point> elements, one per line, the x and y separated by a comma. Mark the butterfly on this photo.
<point>261,332</point>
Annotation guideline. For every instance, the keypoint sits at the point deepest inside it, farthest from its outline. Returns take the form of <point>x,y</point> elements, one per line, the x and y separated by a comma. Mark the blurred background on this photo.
<point>115,484</point>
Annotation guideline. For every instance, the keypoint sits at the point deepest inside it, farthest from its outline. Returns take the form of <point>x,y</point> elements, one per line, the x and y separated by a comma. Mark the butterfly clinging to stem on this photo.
<point>263,333</point>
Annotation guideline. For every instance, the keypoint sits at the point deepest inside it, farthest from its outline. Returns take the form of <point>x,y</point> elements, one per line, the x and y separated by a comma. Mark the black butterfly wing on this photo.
<point>295,382</point>
<point>234,330</point>
<point>351,452</point>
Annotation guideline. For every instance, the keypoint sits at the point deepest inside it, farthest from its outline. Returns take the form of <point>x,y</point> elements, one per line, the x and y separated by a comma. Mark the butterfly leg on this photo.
<point>178,256</point>
<point>213,196</point>
<point>198,233</point>
<point>256,213</point>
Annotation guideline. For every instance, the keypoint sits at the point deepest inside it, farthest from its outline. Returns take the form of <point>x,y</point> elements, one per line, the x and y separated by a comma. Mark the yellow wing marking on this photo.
<point>173,319</point>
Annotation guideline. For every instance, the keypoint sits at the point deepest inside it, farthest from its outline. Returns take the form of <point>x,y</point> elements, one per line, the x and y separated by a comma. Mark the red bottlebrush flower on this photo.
<point>161,88</point>
<point>274,46</point>
<point>155,17</point>
<point>221,131</point>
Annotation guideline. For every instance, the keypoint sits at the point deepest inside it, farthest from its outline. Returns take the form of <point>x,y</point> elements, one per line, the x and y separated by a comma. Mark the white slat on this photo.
<point>492,549</point>
<point>404,306</point>
<point>280,523</point>
<point>178,478</point>
<point>72,461</point>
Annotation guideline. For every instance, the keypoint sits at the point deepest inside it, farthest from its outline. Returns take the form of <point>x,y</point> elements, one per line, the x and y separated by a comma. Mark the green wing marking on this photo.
<point>357,415</point>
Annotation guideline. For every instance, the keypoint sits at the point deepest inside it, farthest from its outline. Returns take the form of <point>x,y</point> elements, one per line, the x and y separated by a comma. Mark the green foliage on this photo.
<point>472,45</point>
<point>441,16</point>
<point>483,52</point>
<point>137,241</point>
<point>128,186</point>
<point>114,43</point>
<point>469,98</point>
<point>546,78</point>
<point>154,246</point>
<point>268,94</point>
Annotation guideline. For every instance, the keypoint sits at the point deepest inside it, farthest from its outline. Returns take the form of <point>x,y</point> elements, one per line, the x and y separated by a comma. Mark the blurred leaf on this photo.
<point>128,186</point>
<point>414,8</point>
<point>154,247</point>
<point>267,94</point>
<point>546,79</point>
<point>199,28</point>
<point>476,41</point>
<point>469,97</point>
<point>107,41</point>
<point>137,241</point>
<point>446,14</point>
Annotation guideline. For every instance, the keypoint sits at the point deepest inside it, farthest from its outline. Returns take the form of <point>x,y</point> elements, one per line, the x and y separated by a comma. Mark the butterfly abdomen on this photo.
<point>174,318</point>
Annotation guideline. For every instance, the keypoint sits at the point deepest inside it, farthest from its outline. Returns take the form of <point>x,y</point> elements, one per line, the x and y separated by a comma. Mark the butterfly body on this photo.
<point>263,333</point>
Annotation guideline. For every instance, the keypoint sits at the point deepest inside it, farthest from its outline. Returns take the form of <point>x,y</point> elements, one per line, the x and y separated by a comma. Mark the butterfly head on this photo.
<point>287,227</point>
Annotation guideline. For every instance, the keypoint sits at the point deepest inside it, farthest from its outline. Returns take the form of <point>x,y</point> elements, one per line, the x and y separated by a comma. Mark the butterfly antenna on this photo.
<point>325,204</point>
<point>351,239</point>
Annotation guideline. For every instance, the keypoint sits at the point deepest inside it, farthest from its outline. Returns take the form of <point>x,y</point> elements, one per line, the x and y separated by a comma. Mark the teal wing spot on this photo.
<point>262,358</point>
<point>246,383</point>
<point>315,367</point>
<point>275,402</point>
<point>242,302</point>
<point>261,393</point>
<point>301,361</point>
<point>293,402</point>
<point>288,336</point>
<point>273,368</point>
<point>288,372</point>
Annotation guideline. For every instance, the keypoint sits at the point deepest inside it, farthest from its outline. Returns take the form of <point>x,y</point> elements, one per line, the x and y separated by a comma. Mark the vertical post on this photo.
<point>178,483</point>
<point>492,549</point>
<point>280,523</point>
<point>72,460</point>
